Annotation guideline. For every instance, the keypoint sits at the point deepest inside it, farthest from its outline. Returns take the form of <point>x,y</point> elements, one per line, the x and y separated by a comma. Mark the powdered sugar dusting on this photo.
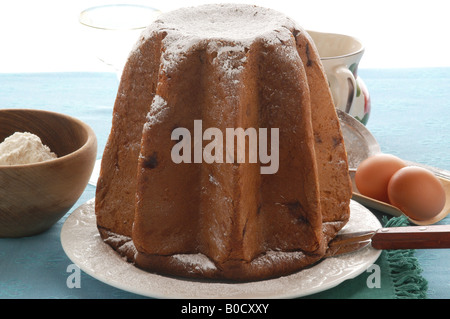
<point>213,180</point>
<point>194,28</point>
<point>232,58</point>
<point>157,110</point>
<point>116,239</point>
<point>158,104</point>
<point>176,45</point>
<point>272,257</point>
<point>199,261</point>
<point>225,21</point>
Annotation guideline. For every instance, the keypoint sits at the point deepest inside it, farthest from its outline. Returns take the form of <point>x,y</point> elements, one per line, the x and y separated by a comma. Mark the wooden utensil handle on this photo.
<point>412,237</point>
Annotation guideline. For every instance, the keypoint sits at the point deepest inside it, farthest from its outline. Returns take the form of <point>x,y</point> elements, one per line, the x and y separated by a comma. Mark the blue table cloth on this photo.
<point>410,118</point>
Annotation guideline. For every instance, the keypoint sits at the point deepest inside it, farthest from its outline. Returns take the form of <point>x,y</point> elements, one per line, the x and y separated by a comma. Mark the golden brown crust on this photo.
<point>116,187</point>
<point>331,156</point>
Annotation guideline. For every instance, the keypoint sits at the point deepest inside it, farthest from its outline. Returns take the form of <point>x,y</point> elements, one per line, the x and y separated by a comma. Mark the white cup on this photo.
<point>340,55</point>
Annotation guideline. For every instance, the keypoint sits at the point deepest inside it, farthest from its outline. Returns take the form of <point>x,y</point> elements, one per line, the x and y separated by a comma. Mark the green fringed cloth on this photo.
<point>404,267</point>
<point>400,275</point>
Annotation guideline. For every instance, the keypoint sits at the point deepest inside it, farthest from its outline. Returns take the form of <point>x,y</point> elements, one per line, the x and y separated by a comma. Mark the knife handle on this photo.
<point>412,237</point>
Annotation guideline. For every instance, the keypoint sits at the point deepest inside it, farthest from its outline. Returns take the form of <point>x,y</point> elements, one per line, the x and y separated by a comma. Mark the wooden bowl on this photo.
<point>33,197</point>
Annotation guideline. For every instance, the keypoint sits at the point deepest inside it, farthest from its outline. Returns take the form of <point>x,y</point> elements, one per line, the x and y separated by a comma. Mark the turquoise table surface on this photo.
<point>410,118</point>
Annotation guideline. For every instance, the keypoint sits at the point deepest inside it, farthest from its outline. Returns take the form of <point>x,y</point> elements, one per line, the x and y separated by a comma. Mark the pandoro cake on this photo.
<point>223,67</point>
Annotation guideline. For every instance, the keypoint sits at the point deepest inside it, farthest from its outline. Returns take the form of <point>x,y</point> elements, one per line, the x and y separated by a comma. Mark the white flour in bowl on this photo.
<point>24,148</point>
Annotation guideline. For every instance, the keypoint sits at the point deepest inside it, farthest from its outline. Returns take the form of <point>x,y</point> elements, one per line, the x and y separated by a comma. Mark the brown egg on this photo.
<point>373,174</point>
<point>417,193</point>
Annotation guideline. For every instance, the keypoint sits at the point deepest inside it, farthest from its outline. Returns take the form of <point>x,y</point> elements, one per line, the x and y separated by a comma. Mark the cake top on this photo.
<point>226,21</point>
<point>237,24</point>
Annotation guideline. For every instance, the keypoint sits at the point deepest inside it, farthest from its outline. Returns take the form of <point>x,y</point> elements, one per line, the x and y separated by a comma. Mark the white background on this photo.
<point>44,35</point>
